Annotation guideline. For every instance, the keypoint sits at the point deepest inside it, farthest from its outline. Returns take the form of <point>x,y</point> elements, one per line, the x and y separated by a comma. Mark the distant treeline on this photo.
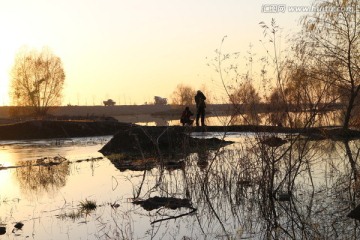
<point>163,110</point>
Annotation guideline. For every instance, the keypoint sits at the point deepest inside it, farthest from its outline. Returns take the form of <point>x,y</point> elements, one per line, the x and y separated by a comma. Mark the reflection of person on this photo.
<point>200,107</point>
<point>202,161</point>
<point>185,117</point>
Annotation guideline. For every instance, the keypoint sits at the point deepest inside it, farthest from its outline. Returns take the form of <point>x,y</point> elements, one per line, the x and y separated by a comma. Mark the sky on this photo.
<point>133,50</point>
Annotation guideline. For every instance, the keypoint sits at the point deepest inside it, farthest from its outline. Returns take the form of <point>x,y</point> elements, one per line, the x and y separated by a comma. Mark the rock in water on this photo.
<point>151,141</point>
<point>18,225</point>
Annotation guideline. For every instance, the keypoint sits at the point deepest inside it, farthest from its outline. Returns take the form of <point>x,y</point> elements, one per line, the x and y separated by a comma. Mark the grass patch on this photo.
<point>72,215</point>
<point>84,209</point>
<point>87,206</point>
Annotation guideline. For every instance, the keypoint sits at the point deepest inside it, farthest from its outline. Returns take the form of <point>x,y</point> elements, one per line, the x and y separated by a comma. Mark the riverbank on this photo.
<point>114,111</point>
<point>45,129</point>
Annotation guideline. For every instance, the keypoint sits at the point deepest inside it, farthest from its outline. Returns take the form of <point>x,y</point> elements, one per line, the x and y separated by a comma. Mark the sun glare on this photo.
<point>4,81</point>
<point>5,174</point>
<point>6,60</point>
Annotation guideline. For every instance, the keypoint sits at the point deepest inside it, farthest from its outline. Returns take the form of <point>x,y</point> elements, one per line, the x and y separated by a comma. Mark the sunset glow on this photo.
<point>131,51</point>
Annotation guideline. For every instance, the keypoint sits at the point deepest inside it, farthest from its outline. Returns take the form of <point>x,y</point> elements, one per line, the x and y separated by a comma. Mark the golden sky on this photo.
<point>132,50</point>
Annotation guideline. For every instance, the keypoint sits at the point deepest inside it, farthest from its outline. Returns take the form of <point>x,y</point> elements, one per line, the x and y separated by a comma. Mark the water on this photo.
<point>230,188</point>
<point>298,119</point>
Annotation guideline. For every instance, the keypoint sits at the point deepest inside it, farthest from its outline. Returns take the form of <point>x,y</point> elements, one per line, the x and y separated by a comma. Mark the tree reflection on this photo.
<point>36,179</point>
<point>295,188</point>
<point>302,190</point>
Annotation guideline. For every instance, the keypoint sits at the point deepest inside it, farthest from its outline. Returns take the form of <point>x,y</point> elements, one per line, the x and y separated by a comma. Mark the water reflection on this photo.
<point>202,159</point>
<point>281,118</point>
<point>299,189</point>
<point>271,172</point>
<point>146,163</point>
<point>41,179</point>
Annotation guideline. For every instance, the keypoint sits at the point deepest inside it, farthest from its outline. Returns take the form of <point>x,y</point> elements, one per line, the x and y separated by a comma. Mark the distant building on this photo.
<point>109,102</point>
<point>160,100</point>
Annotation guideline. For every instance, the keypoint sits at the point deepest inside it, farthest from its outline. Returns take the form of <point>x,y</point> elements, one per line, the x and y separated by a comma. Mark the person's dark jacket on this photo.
<point>200,100</point>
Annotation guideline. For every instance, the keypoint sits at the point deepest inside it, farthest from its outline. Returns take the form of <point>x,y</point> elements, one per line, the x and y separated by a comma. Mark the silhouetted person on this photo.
<point>200,107</point>
<point>185,117</point>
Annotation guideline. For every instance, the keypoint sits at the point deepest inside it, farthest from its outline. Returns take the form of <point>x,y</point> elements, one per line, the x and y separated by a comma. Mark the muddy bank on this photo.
<point>44,129</point>
<point>149,141</point>
<point>115,111</point>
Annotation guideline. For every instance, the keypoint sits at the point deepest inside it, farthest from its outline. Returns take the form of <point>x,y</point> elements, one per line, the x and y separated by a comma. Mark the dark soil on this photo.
<point>167,202</point>
<point>140,141</point>
<point>45,129</point>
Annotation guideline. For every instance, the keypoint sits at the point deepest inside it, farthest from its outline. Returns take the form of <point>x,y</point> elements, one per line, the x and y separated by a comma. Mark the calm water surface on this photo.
<point>246,190</point>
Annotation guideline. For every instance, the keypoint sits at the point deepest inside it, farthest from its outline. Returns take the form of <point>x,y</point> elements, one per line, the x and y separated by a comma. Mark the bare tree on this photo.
<point>245,93</point>
<point>246,99</point>
<point>183,95</point>
<point>278,107</point>
<point>331,38</point>
<point>37,80</point>
<point>305,92</point>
